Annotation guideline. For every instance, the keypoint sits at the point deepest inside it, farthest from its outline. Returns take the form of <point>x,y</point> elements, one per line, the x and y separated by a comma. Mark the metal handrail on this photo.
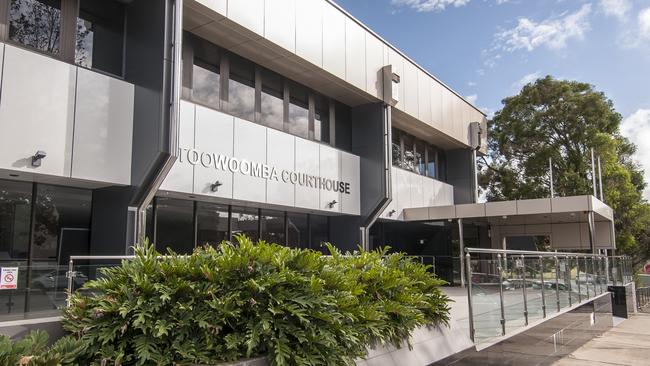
<point>590,271</point>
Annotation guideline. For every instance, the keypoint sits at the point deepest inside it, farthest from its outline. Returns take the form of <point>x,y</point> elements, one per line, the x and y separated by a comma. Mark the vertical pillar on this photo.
<point>592,233</point>
<point>461,243</point>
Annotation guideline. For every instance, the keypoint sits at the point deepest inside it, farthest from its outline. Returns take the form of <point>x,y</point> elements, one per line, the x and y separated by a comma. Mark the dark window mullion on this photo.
<point>69,14</point>
<point>4,19</point>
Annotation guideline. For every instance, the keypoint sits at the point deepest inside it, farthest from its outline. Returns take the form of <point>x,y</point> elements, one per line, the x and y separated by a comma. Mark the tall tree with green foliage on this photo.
<point>563,120</point>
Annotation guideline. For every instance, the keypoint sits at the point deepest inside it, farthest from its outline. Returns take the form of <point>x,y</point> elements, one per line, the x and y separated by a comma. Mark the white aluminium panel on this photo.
<point>417,190</point>
<point>307,161</point>
<point>403,189</point>
<point>250,144</point>
<point>374,64</point>
<point>219,6</point>
<point>397,61</point>
<point>280,23</point>
<point>36,112</point>
<point>309,30</point>
<point>424,97</point>
<point>280,154</point>
<point>181,175</point>
<point>333,40</point>
<point>436,105</point>
<point>410,84</point>
<point>213,137</point>
<point>247,13</point>
<point>329,168</point>
<point>355,54</point>
<point>350,170</point>
<point>103,129</point>
<point>447,111</point>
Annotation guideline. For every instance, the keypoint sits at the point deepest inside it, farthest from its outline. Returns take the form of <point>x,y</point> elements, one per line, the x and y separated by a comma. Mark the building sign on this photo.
<point>260,170</point>
<point>8,278</point>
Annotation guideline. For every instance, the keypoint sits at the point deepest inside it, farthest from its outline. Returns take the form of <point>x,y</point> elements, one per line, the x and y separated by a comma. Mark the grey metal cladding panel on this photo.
<point>219,6</point>
<point>250,144</point>
<point>213,135</point>
<point>280,149</point>
<point>309,30</point>
<point>374,63</point>
<point>248,13</point>
<point>436,105</point>
<point>397,61</point>
<point>355,54</point>
<point>334,41</point>
<point>180,177</point>
<point>410,85</point>
<point>329,167</point>
<point>424,98</point>
<point>36,112</point>
<point>280,23</point>
<point>103,130</point>
<point>350,169</point>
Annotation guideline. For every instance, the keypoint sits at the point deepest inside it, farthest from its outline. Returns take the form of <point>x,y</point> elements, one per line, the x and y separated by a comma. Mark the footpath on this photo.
<point>626,344</point>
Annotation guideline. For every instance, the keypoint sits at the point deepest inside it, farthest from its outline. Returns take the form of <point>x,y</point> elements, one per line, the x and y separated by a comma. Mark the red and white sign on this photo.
<point>8,278</point>
<point>646,268</point>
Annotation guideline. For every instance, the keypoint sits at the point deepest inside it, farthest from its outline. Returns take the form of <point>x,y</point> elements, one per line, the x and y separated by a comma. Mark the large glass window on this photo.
<point>212,223</point>
<point>431,162</point>
<point>396,143</point>
<point>272,103</point>
<point>205,73</point>
<point>343,126</point>
<point>245,220</point>
<point>409,160</point>
<point>272,223</point>
<point>416,155</point>
<point>241,88</point>
<point>62,225</point>
<point>322,119</point>
<point>320,231</point>
<point>419,155</point>
<point>36,23</point>
<point>175,225</point>
<point>100,35</point>
<point>298,111</point>
<point>297,230</point>
<point>15,206</point>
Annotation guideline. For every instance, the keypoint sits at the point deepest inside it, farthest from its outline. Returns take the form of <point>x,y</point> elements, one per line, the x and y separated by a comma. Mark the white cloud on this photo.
<point>552,33</point>
<point>429,5</point>
<point>471,83</point>
<point>526,79</point>
<point>644,23</point>
<point>616,8</point>
<point>636,127</point>
<point>471,98</point>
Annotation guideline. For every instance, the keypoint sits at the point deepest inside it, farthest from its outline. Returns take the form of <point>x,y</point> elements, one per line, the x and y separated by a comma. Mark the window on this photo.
<point>15,207</point>
<point>272,223</point>
<point>100,35</point>
<point>322,119</point>
<point>396,137</point>
<point>205,74</point>
<point>272,100</point>
<point>409,161</point>
<point>416,155</point>
<point>245,221</point>
<point>320,231</point>
<point>36,23</point>
<point>431,162</point>
<point>419,155</point>
<point>175,225</point>
<point>297,230</point>
<point>241,88</point>
<point>212,223</point>
<point>343,126</point>
<point>298,111</point>
<point>62,225</point>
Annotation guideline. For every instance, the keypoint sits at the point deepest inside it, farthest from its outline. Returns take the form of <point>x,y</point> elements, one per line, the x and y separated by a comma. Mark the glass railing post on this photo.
<point>586,277</point>
<point>523,277</point>
<point>594,274</point>
<point>578,279</point>
<point>557,282</point>
<point>503,313</point>
<point>70,276</point>
<point>468,272</point>
<point>541,277</point>
<point>607,277</point>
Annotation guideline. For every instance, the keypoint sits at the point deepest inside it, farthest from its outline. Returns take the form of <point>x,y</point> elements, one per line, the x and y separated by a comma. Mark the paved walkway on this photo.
<point>626,344</point>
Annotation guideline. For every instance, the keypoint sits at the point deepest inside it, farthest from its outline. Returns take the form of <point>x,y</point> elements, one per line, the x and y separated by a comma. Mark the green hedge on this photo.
<point>241,300</point>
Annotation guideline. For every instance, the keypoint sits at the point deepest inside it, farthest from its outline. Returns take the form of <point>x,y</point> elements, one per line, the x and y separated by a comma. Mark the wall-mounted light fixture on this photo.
<point>391,212</point>
<point>36,158</point>
<point>331,204</point>
<point>215,186</point>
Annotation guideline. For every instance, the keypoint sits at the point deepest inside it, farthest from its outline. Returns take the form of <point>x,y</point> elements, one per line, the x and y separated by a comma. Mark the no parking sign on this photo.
<point>8,278</point>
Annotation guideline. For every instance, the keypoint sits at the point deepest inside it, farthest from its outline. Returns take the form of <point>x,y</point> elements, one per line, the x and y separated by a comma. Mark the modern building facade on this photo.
<point>190,122</point>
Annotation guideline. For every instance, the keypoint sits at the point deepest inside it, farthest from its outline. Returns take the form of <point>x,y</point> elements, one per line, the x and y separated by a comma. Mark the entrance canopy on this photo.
<point>569,222</point>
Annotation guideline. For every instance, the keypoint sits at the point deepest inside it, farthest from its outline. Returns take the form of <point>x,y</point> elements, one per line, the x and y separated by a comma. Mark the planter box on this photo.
<point>259,361</point>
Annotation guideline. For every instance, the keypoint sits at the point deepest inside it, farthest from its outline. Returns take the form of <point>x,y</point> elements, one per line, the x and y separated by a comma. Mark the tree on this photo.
<point>563,120</point>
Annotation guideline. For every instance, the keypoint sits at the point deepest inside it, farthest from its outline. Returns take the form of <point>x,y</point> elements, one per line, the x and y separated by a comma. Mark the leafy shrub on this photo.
<point>296,306</point>
<point>32,350</point>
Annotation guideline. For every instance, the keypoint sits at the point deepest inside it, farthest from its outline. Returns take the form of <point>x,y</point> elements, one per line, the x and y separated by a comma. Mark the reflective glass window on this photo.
<point>245,221</point>
<point>212,223</point>
<point>409,161</point>
<point>442,165</point>
<point>62,225</point>
<point>298,111</point>
<point>272,223</point>
<point>320,230</point>
<point>431,161</point>
<point>322,119</point>
<point>343,126</point>
<point>36,23</point>
<point>241,88</point>
<point>396,147</point>
<point>419,155</point>
<point>272,103</point>
<point>15,206</point>
<point>297,230</point>
<point>100,35</point>
<point>175,225</point>
<point>205,73</point>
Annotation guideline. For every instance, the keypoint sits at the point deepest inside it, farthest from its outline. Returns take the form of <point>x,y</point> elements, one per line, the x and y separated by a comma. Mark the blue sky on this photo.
<point>487,49</point>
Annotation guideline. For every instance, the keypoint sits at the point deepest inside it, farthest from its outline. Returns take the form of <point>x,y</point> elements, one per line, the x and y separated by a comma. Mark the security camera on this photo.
<point>36,158</point>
